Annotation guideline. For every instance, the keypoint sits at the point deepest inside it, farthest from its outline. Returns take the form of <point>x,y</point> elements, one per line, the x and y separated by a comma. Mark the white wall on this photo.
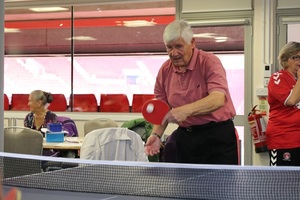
<point>215,5</point>
<point>286,4</point>
<point>263,47</point>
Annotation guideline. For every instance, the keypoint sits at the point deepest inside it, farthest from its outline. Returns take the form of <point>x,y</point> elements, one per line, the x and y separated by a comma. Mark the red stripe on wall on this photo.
<point>64,23</point>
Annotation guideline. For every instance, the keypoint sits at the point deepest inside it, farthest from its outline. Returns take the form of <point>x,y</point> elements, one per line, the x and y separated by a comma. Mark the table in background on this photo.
<point>70,143</point>
<point>69,148</point>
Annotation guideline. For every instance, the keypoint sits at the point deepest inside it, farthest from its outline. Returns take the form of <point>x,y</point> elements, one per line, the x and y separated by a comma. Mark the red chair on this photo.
<point>114,103</point>
<point>59,103</point>
<point>84,103</point>
<point>138,101</point>
<point>19,102</point>
<point>6,102</point>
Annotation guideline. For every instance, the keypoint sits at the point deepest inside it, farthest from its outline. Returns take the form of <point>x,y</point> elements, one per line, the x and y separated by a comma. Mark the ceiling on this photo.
<point>20,9</point>
<point>99,13</point>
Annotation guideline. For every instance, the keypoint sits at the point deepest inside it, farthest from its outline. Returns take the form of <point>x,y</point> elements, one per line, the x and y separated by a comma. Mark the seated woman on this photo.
<point>39,116</point>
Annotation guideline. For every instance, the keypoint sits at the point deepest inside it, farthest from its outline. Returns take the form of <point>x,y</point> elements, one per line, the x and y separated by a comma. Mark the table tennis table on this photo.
<point>43,194</point>
<point>140,180</point>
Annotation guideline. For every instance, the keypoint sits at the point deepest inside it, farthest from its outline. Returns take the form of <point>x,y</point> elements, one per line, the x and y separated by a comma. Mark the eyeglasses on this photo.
<point>295,57</point>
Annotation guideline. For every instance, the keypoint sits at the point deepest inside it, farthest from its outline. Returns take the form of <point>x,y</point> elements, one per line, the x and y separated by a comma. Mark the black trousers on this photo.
<point>212,143</point>
<point>285,157</point>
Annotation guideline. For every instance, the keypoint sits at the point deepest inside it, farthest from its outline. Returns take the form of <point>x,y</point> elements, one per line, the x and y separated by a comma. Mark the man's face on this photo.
<point>180,52</point>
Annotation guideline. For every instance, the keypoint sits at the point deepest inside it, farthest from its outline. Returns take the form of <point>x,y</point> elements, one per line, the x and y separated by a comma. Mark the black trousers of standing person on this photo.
<point>212,143</point>
<point>285,157</point>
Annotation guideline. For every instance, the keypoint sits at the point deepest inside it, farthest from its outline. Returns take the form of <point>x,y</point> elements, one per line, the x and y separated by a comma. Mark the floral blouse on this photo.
<point>50,117</point>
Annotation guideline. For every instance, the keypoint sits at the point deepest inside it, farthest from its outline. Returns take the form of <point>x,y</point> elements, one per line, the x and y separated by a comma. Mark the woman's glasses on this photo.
<point>295,57</point>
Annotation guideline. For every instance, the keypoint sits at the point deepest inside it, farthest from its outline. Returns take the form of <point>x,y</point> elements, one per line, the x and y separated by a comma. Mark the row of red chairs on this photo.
<point>83,102</point>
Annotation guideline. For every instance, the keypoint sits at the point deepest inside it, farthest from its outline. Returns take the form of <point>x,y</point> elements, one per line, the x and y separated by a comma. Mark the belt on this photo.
<point>205,126</point>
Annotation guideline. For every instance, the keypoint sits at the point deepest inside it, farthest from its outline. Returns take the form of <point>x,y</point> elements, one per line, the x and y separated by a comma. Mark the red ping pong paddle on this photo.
<point>154,110</point>
<point>13,194</point>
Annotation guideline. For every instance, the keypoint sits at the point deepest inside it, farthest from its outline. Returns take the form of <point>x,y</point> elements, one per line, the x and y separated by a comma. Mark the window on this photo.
<point>129,74</point>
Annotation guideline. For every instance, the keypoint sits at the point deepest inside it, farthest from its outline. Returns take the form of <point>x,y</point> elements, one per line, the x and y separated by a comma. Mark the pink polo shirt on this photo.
<point>205,73</point>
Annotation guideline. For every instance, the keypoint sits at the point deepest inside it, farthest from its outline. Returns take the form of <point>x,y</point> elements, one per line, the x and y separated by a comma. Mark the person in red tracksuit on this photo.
<point>283,129</point>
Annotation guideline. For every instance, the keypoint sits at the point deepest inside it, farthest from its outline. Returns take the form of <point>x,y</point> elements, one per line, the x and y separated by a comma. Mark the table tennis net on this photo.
<point>175,181</point>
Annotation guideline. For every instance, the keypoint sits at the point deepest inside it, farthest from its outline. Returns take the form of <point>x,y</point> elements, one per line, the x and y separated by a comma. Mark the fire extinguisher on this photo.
<point>258,130</point>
